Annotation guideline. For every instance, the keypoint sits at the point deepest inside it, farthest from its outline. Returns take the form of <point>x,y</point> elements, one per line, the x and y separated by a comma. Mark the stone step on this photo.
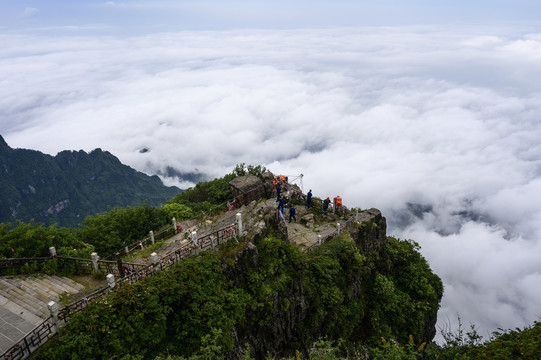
<point>48,288</point>
<point>66,284</point>
<point>19,310</point>
<point>40,290</point>
<point>34,293</point>
<point>26,298</point>
<point>20,289</point>
<point>15,323</point>
<point>22,301</point>
<point>73,284</point>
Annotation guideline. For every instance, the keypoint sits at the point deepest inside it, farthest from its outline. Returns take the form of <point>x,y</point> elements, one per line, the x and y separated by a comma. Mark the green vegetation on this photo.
<point>104,233</point>
<point>504,344</point>
<point>121,226</point>
<point>112,230</point>
<point>34,240</point>
<point>145,252</point>
<point>192,310</point>
<point>270,300</point>
<point>64,189</point>
<point>211,197</point>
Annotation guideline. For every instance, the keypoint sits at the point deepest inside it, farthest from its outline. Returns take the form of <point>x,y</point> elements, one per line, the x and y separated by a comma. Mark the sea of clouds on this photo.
<point>439,127</point>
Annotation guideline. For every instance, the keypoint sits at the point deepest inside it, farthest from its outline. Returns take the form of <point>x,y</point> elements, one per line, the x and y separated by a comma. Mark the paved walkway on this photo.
<point>12,325</point>
<point>23,303</point>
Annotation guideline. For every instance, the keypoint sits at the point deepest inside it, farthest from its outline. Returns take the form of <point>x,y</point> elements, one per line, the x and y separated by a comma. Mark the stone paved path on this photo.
<point>23,303</point>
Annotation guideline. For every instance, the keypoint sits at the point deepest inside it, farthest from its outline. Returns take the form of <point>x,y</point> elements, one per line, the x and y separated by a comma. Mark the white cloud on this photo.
<point>436,126</point>
<point>30,11</point>
<point>114,4</point>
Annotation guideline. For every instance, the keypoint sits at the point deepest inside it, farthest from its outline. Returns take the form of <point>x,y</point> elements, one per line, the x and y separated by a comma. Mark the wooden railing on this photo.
<point>15,266</point>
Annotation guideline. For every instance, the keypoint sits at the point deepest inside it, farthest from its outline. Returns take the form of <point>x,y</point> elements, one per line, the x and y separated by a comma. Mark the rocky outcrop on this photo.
<point>249,187</point>
<point>288,309</point>
<point>371,233</point>
<point>246,260</point>
<point>244,185</point>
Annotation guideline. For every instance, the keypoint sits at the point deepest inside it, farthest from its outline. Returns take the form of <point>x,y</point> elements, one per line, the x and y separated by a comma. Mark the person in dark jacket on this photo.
<point>292,214</point>
<point>326,203</point>
<point>309,199</point>
<point>277,192</point>
<point>281,204</point>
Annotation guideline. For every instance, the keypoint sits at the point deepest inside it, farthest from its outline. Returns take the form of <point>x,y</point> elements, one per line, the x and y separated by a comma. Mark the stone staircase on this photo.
<point>23,303</point>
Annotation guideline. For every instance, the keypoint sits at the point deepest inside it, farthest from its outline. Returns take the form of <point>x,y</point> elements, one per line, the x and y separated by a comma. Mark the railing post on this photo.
<point>151,233</point>
<point>194,241</point>
<point>53,309</point>
<point>239,225</point>
<point>52,251</point>
<point>111,281</point>
<point>154,260</point>
<point>338,228</point>
<point>95,259</point>
<point>319,240</point>
<point>119,265</point>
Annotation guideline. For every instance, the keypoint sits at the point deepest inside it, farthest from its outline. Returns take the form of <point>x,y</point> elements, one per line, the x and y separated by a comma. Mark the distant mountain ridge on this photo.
<point>66,188</point>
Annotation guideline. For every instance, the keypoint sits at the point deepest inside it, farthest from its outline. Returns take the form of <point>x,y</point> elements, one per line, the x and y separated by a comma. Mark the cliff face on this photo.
<point>354,288</point>
<point>70,186</point>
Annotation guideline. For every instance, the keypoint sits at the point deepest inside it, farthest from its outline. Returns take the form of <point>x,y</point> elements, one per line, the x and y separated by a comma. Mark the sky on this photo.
<point>429,111</point>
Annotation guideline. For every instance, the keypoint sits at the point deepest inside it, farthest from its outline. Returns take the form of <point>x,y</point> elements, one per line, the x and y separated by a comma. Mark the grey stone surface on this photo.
<point>23,304</point>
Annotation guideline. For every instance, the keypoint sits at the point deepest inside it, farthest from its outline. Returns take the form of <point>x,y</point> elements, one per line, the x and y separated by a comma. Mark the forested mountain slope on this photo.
<point>66,188</point>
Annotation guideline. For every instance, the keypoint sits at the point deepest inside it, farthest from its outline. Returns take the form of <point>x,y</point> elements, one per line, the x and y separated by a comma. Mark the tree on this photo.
<point>178,211</point>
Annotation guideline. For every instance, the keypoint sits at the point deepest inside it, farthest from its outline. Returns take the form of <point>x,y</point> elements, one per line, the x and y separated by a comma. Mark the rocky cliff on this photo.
<point>275,289</point>
<point>357,286</point>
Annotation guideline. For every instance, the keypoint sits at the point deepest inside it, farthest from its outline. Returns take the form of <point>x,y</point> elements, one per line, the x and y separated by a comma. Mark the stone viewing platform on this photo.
<point>23,303</point>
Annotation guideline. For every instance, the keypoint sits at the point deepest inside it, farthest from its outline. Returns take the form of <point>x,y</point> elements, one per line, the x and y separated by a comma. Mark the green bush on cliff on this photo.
<point>210,197</point>
<point>403,294</point>
<point>111,231</point>
<point>171,312</point>
<point>34,240</point>
<point>175,311</point>
<point>331,274</point>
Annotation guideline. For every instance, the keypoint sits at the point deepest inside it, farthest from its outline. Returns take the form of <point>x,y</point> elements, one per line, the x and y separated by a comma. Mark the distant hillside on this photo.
<point>66,188</point>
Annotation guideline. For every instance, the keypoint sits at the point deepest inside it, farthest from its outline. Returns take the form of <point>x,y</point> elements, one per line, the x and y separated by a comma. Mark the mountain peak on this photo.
<point>4,145</point>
